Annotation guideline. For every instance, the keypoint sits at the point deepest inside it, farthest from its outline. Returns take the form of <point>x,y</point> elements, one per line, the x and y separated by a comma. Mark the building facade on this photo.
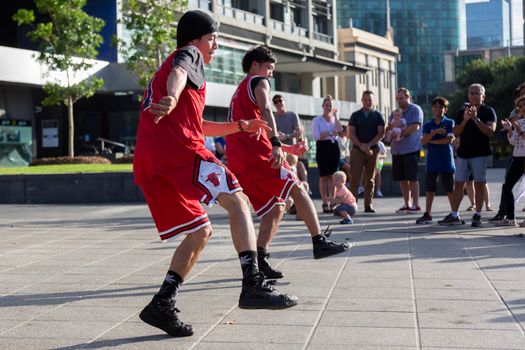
<point>494,23</point>
<point>302,34</point>
<point>423,30</point>
<point>379,55</point>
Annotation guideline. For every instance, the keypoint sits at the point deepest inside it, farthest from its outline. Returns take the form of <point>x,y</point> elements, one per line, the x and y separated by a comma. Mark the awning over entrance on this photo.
<point>317,65</point>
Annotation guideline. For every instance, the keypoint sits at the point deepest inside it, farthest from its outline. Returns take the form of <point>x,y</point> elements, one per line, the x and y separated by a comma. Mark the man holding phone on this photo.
<point>475,124</point>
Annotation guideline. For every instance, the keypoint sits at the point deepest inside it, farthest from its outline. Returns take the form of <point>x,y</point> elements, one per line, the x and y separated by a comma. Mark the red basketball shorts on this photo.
<point>175,198</point>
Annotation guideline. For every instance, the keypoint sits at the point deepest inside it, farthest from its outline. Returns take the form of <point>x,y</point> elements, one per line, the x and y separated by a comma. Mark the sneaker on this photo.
<point>450,220</point>
<point>346,221</point>
<point>164,315</point>
<point>506,222</point>
<point>257,294</point>
<point>413,210</point>
<point>424,220</point>
<point>328,248</point>
<point>378,194</point>
<point>265,267</point>
<point>402,210</point>
<point>476,220</point>
<point>496,218</point>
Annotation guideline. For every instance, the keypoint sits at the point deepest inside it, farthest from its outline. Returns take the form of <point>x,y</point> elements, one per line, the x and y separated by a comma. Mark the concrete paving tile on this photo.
<point>430,283</point>
<point>375,293</point>
<point>24,312</point>
<point>457,294</point>
<point>470,338</point>
<point>374,283</point>
<point>436,320</point>
<point>368,319</point>
<point>271,334</point>
<point>243,346</point>
<point>370,336</point>
<point>462,306</point>
<point>273,317</point>
<point>91,314</point>
<point>380,305</point>
<point>39,343</point>
<point>59,329</point>
<point>508,285</point>
<point>129,333</point>
<point>359,347</point>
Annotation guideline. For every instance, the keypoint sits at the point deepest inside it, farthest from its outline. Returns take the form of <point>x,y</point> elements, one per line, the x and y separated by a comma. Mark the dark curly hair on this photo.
<point>258,54</point>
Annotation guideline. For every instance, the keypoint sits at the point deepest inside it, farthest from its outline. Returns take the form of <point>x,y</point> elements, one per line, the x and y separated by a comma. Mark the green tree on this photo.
<point>151,24</point>
<point>66,42</point>
<point>500,77</point>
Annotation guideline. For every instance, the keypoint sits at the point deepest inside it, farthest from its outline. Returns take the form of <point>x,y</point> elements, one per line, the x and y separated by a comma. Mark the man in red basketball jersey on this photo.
<point>260,166</point>
<point>177,173</point>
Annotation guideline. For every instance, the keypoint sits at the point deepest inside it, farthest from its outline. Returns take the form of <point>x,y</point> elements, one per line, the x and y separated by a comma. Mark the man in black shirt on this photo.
<point>365,129</point>
<point>475,124</point>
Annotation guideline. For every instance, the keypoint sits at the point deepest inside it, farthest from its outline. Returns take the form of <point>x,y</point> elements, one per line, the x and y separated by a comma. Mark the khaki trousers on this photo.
<point>365,166</point>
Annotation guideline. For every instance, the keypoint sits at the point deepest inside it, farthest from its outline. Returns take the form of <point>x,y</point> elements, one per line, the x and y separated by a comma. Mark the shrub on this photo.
<point>70,160</point>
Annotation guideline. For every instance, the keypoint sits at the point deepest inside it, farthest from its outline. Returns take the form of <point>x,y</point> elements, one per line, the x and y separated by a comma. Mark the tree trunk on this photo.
<point>71,134</point>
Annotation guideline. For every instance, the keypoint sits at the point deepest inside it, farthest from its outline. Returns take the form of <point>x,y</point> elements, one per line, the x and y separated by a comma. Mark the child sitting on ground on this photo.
<point>398,124</point>
<point>345,202</point>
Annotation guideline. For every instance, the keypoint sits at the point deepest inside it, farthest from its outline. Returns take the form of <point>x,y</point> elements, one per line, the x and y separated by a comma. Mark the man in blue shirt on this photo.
<point>405,152</point>
<point>438,134</point>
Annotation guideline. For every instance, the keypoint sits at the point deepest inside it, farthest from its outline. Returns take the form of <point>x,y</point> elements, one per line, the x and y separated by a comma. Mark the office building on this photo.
<point>422,30</point>
<point>302,34</point>
<point>494,23</point>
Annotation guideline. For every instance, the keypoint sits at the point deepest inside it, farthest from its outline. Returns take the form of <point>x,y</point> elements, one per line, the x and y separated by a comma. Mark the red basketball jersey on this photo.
<point>241,148</point>
<point>178,137</point>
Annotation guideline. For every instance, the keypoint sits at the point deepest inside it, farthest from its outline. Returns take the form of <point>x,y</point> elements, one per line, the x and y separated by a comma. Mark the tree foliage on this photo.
<point>66,42</point>
<point>500,78</point>
<point>151,24</point>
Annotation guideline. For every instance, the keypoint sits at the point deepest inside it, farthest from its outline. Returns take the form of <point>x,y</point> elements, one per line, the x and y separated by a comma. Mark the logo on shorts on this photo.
<point>214,179</point>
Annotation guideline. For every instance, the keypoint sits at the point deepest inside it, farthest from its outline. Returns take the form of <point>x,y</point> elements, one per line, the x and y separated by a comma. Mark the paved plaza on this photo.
<point>77,276</point>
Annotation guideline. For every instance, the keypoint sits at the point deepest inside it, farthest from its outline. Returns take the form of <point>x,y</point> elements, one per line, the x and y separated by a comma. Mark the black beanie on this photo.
<point>194,24</point>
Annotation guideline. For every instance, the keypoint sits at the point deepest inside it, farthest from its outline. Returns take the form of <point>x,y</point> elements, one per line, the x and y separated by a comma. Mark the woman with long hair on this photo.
<point>324,130</point>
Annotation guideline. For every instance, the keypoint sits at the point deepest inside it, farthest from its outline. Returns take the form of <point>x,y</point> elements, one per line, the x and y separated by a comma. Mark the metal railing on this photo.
<point>288,28</point>
<point>114,143</point>
<point>199,4</point>
<point>241,15</point>
<point>324,37</point>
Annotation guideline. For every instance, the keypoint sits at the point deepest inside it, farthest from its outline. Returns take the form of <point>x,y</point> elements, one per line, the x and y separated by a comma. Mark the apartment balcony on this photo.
<point>288,28</point>
<point>248,17</point>
<point>199,4</point>
<point>325,38</point>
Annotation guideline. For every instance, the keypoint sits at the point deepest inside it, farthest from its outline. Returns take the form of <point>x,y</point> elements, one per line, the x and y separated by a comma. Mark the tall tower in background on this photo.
<point>423,31</point>
<point>494,23</point>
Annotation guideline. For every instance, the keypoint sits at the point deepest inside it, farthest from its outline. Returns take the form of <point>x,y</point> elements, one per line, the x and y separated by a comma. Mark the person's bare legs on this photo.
<point>323,189</point>
<point>268,226</point>
<point>241,224</point>
<point>488,206</point>
<point>469,187</point>
<point>480,195</point>
<point>188,251</point>
<point>429,199</point>
<point>414,190</point>
<point>302,174</point>
<point>306,210</point>
<point>405,191</point>
<point>331,186</point>
<point>457,196</point>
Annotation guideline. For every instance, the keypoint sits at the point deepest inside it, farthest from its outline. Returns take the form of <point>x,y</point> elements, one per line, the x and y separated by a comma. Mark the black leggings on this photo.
<point>512,176</point>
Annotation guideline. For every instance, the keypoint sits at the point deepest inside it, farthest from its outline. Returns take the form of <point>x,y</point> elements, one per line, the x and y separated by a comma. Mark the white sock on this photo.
<point>454,214</point>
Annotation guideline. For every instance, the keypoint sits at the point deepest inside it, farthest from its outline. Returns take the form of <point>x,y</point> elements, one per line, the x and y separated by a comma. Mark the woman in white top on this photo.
<point>324,130</point>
